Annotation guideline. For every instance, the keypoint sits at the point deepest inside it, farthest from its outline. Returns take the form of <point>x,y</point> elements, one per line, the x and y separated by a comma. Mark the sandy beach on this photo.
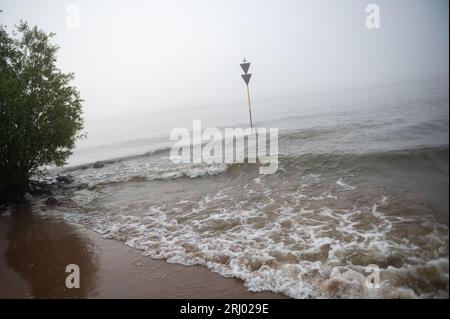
<point>34,251</point>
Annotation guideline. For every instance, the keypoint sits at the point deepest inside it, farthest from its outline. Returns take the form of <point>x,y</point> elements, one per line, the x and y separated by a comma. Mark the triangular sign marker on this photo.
<point>246,77</point>
<point>245,66</point>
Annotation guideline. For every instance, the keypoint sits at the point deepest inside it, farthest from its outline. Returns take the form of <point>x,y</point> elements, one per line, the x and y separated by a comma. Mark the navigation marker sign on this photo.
<point>245,66</point>
<point>246,77</point>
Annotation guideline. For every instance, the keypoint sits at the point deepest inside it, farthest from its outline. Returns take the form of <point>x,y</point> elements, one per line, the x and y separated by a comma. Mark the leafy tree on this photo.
<point>40,111</point>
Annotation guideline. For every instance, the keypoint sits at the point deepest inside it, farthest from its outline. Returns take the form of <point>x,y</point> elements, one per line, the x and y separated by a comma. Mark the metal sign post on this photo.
<point>246,76</point>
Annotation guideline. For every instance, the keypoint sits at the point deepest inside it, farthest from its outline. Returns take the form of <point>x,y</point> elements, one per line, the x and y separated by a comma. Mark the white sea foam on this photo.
<point>122,172</point>
<point>287,245</point>
<point>344,185</point>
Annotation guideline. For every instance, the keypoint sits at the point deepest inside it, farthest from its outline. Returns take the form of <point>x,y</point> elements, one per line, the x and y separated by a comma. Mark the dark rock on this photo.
<point>39,188</point>
<point>51,201</point>
<point>98,165</point>
<point>56,185</point>
<point>83,186</point>
<point>28,197</point>
<point>84,167</point>
<point>68,179</point>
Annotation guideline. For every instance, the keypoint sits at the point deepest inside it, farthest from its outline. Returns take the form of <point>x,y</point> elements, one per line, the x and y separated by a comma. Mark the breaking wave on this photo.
<point>308,231</point>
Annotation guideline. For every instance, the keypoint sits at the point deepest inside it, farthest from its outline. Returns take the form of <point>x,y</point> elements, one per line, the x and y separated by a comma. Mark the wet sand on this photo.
<point>34,252</point>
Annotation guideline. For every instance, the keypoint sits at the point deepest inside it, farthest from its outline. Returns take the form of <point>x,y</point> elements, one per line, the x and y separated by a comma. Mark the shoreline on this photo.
<point>35,249</point>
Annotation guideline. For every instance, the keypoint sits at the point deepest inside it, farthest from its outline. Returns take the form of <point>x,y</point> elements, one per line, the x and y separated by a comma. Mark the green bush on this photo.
<point>40,112</point>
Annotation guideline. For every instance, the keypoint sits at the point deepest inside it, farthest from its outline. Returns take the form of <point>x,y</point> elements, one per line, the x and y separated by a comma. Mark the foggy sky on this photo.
<point>130,56</point>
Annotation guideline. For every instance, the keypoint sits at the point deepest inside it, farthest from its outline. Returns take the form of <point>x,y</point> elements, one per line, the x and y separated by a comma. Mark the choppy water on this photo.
<point>363,179</point>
